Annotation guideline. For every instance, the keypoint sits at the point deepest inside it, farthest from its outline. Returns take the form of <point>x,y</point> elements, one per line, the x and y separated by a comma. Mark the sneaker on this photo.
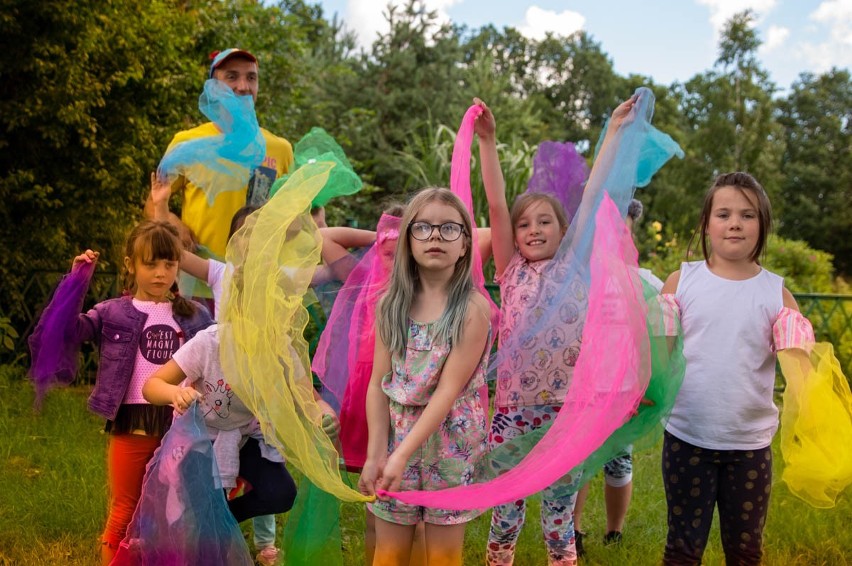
<point>267,557</point>
<point>612,537</point>
<point>242,487</point>
<point>578,542</point>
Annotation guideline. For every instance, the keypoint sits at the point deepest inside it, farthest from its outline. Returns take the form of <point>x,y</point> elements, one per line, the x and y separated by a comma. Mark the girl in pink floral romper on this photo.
<point>426,422</point>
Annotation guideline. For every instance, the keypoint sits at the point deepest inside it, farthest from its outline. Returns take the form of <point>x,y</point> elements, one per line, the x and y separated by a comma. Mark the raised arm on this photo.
<point>337,240</point>
<point>620,116</point>
<point>483,237</point>
<point>461,363</point>
<point>196,266</point>
<point>502,239</point>
<point>155,211</point>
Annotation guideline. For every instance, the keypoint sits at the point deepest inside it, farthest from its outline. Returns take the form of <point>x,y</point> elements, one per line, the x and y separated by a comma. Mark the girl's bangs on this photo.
<point>159,244</point>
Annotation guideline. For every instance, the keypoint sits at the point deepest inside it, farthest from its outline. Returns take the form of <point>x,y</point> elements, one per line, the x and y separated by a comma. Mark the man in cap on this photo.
<point>208,225</point>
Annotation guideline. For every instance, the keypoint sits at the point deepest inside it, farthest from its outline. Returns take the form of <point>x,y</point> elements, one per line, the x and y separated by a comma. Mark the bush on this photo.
<point>804,269</point>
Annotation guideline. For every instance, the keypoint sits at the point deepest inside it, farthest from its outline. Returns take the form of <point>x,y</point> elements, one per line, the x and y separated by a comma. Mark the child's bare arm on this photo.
<point>161,191</point>
<point>502,238</point>
<point>669,288</point>
<point>378,420</point>
<point>157,208</point>
<point>483,236</point>
<point>348,237</point>
<point>461,363</point>
<point>620,116</point>
<point>196,266</point>
<point>337,240</point>
<point>163,388</point>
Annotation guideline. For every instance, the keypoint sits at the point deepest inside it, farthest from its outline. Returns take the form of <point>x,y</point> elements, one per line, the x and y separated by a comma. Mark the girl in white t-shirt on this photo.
<point>212,271</point>
<point>734,315</point>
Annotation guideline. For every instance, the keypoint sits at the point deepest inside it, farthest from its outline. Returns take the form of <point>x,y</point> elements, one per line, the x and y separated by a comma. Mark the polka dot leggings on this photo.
<point>696,480</point>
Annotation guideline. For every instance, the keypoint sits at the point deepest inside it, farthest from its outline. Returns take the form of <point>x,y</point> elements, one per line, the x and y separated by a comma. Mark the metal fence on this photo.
<point>831,316</point>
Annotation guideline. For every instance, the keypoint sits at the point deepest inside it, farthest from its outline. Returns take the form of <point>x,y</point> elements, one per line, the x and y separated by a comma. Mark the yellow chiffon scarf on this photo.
<point>262,349</point>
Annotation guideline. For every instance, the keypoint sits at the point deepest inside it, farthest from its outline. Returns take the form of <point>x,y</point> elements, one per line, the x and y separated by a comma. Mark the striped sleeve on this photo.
<point>792,330</point>
<point>668,324</point>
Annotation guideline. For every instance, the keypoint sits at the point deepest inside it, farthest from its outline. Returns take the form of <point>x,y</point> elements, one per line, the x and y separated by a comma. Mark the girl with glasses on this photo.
<point>426,421</point>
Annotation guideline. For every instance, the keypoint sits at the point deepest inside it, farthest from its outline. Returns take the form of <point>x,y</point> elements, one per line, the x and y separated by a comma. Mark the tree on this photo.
<point>816,185</point>
<point>727,124</point>
<point>412,74</point>
<point>562,87</point>
<point>578,82</point>
<point>88,93</point>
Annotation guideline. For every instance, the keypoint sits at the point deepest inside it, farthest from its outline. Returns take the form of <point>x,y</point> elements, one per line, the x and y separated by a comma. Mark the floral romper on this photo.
<point>448,458</point>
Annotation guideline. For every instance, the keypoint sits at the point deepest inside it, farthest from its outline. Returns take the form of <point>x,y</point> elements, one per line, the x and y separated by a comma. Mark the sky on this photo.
<point>668,40</point>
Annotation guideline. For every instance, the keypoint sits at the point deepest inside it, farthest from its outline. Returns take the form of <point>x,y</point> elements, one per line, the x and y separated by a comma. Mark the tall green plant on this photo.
<point>427,159</point>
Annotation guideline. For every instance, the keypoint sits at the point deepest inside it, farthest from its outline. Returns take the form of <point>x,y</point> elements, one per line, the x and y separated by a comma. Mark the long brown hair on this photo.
<point>394,306</point>
<point>153,240</point>
<point>753,193</point>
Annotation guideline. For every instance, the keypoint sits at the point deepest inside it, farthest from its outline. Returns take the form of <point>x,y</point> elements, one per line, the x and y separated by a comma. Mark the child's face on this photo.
<point>435,253</point>
<point>537,232</point>
<point>734,225</point>
<point>154,277</point>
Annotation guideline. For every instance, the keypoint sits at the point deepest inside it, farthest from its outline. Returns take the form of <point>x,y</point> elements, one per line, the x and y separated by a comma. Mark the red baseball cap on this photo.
<point>220,57</point>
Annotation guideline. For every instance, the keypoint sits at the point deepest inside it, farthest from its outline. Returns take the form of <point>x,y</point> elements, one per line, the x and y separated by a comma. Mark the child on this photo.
<point>135,335</point>
<point>237,441</point>
<point>425,418</point>
<point>716,449</point>
<point>523,244</point>
<point>213,273</point>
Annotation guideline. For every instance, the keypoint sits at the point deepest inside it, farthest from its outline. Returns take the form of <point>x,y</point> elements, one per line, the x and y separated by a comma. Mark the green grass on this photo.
<point>53,500</point>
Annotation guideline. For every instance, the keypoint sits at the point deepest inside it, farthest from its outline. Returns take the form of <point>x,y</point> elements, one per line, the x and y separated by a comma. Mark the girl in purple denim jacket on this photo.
<point>135,334</point>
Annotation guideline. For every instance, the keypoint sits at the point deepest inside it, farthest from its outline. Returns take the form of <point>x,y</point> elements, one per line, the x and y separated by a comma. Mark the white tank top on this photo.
<point>726,401</point>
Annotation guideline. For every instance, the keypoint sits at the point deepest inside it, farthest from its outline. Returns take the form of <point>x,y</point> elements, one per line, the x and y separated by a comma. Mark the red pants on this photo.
<point>127,456</point>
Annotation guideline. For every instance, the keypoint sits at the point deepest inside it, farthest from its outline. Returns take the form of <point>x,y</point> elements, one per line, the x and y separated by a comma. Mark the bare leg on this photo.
<point>444,544</point>
<point>418,547</point>
<point>369,536</point>
<point>393,543</point>
<point>107,554</point>
<point>617,502</point>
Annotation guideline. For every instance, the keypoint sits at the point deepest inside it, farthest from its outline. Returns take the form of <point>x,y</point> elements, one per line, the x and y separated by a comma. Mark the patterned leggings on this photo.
<point>557,501</point>
<point>698,479</point>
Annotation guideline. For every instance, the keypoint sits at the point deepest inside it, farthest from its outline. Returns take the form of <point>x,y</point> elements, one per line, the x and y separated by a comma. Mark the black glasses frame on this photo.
<point>440,228</point>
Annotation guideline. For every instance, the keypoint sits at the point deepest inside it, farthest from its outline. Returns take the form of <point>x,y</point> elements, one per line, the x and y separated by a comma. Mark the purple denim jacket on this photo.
<point>115,326</point>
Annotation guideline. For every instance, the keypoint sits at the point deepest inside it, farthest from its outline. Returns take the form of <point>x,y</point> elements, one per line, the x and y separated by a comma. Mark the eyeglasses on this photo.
<point>449,231</point>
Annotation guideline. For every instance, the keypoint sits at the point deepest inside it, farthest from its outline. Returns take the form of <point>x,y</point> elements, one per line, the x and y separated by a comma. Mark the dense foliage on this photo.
<point>91,92</point>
